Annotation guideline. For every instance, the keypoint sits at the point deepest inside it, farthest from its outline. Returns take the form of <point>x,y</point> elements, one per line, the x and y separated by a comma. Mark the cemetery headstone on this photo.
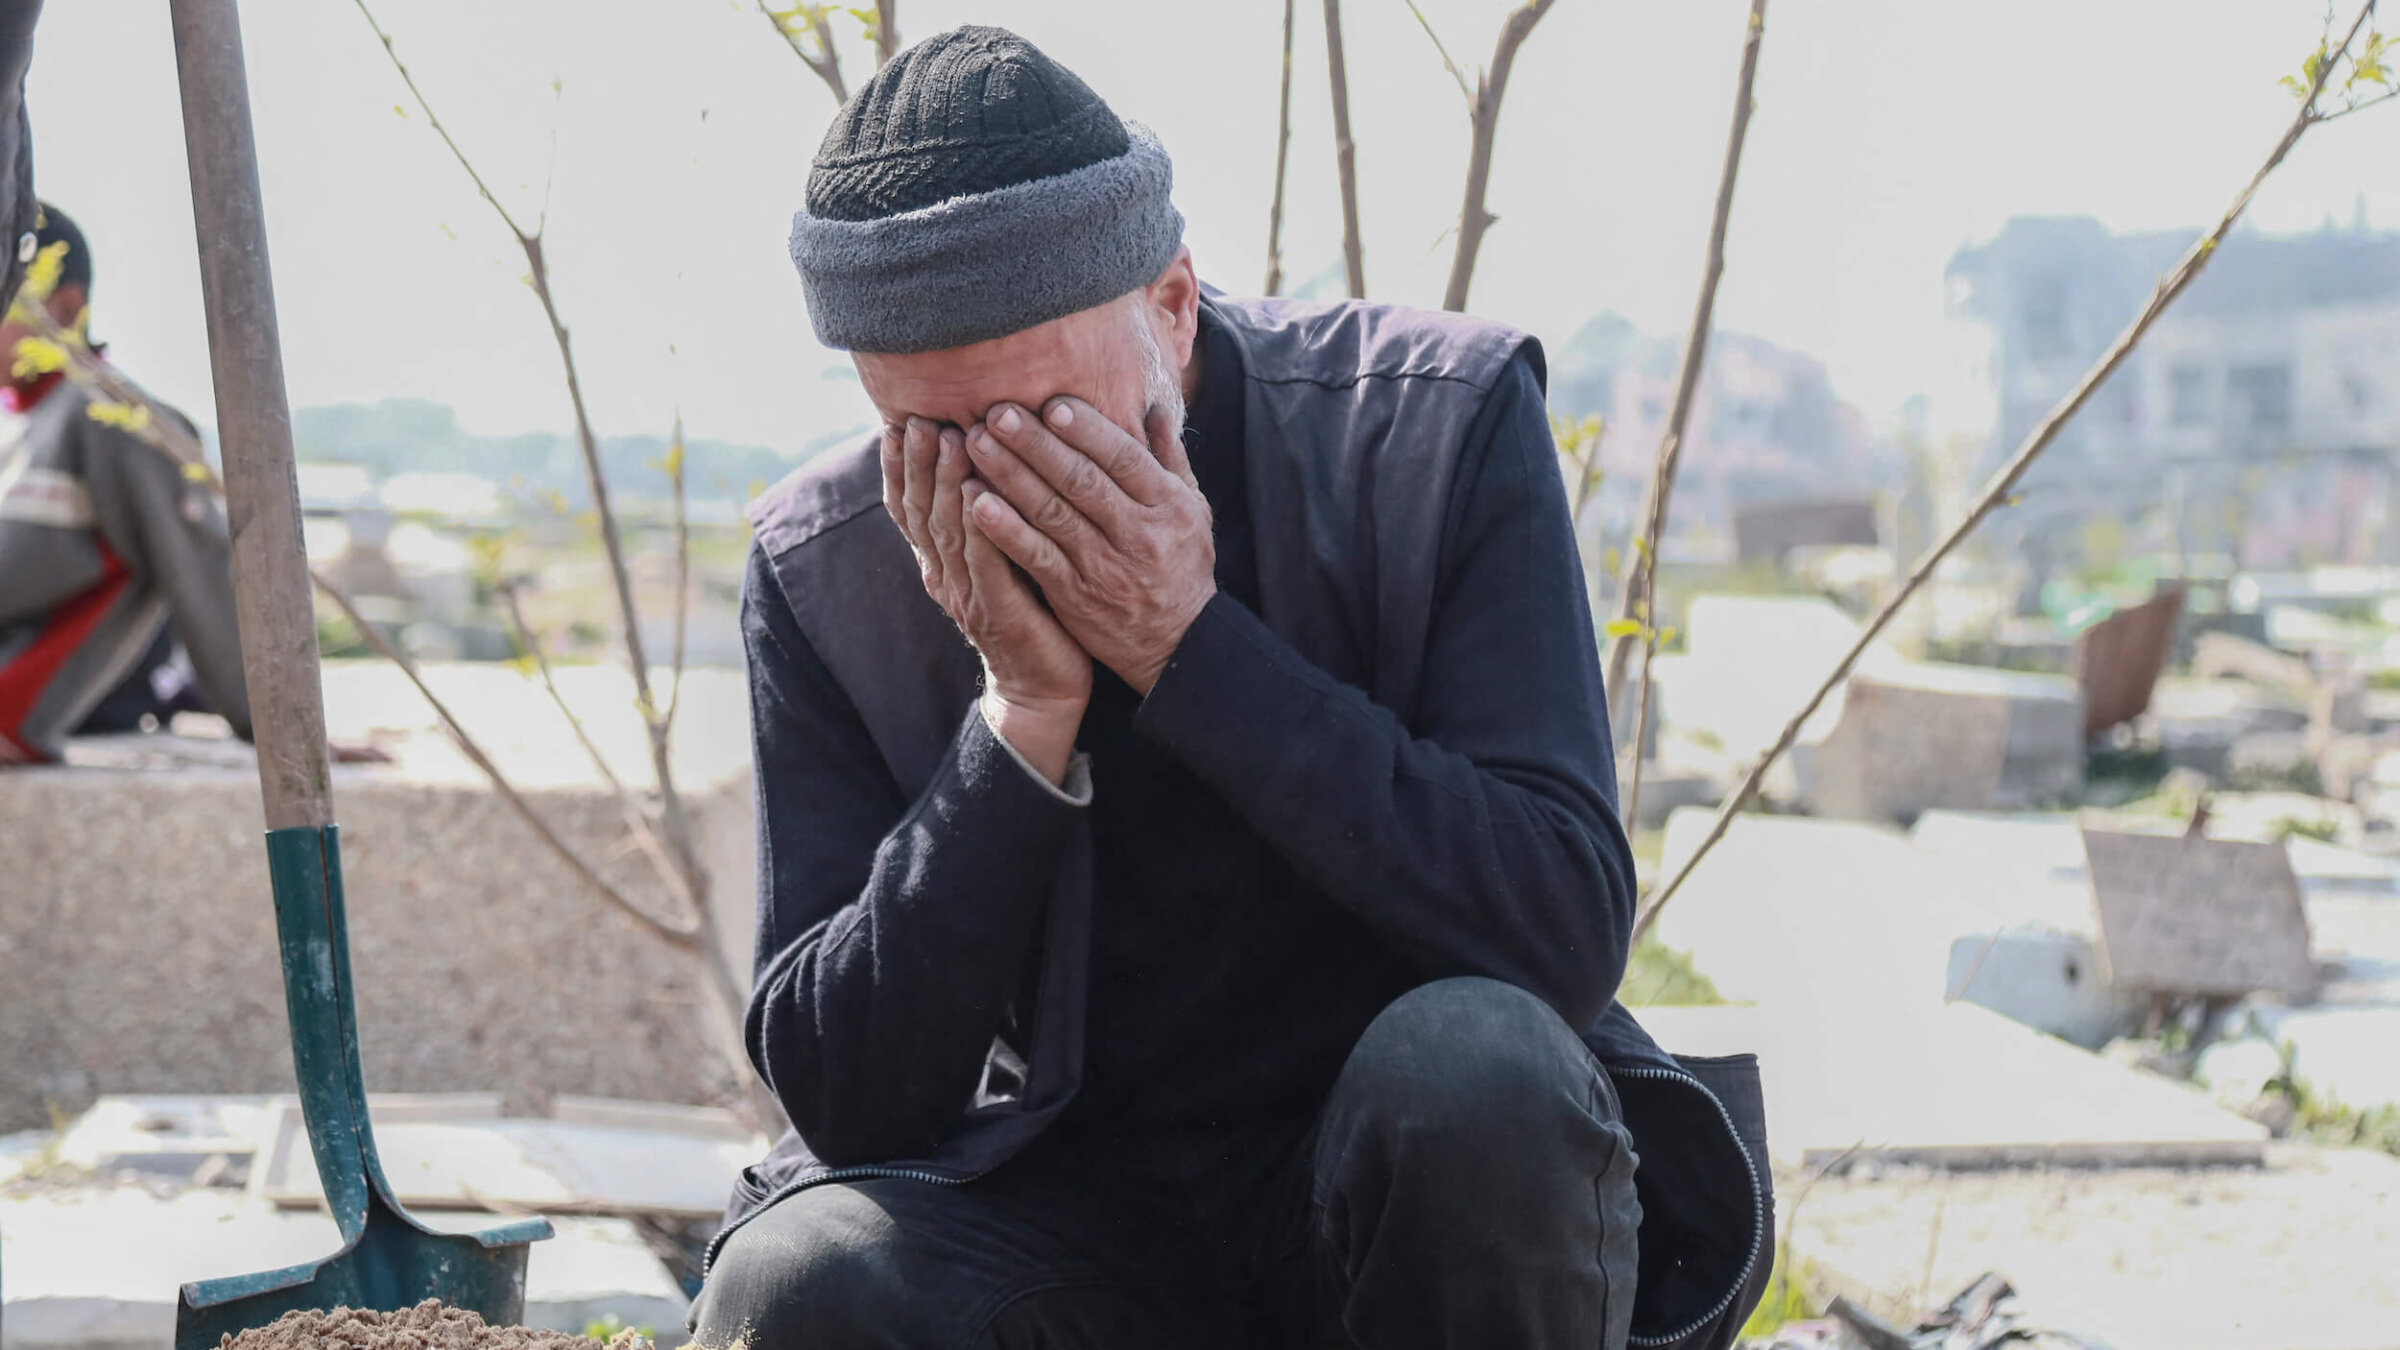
<point>2190,915</point>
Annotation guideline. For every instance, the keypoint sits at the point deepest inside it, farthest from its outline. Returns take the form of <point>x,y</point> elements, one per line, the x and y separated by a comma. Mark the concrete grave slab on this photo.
<point>1800,913</point>
<point>1958,1087</point>
<point>137,947</point>
<point>2197,916</point>
<point>2014,868</point>
<point>99,1269</point>
<point>544,1166</point>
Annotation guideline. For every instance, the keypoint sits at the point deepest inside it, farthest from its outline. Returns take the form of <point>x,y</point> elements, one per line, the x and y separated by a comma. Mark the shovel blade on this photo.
<point>394,1263</point>
<point>388,1260</point>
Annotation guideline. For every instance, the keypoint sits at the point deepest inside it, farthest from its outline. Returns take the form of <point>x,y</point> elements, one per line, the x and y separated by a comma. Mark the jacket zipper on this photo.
<point>792,1188</point>
<point>1758,1217</point>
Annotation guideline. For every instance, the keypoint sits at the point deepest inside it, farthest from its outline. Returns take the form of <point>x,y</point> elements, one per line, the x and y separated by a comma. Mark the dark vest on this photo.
<point>1355,420</point>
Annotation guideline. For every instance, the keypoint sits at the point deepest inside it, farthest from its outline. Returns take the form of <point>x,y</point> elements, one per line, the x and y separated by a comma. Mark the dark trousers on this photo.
<point>1469,1183</point>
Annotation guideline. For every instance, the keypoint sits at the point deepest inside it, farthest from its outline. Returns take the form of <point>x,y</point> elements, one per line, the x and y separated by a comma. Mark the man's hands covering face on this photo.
<point>1036,678</point>
<point>1114,530</point>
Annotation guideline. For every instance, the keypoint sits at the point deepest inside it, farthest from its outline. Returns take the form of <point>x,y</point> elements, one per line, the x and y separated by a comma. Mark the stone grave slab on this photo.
<point>1958,1087</point>
<point>1919,736</point>
<point>2196,915</point>
<point>1799,913</point>
<point>616,1159</point>
<point>99,1268</point>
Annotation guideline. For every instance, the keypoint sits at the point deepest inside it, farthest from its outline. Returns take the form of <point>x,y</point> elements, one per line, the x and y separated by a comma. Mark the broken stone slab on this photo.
<point>2223,656</point>
<point>2195,722</point>
<point>2186,915</point>
<point>2048,980</point>
<point>1920,736</point>
<point>2117,661</point>
<point>1959,1087</point>
<point>100,1268</point>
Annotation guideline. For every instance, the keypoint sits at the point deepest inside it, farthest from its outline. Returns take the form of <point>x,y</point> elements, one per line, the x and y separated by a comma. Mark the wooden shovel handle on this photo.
<point>254,422</point>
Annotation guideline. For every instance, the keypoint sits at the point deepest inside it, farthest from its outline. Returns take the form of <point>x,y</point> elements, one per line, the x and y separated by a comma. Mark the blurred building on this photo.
<point>1766,427</point>
<point>2259,418</point>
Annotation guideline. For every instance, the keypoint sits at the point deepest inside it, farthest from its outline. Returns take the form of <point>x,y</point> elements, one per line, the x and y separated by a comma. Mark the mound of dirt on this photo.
<point>430,1325</point>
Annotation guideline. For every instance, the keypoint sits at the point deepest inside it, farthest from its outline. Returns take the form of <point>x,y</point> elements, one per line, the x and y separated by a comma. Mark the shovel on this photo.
<point>388,1260</point>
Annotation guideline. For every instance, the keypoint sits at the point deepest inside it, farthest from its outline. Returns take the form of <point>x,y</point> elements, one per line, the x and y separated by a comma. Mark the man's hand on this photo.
<point>1115,531</point>
<point>1036,679</point>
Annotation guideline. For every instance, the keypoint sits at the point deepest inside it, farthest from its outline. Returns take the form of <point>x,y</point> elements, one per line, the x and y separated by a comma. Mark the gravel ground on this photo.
<point>2302,1254</point>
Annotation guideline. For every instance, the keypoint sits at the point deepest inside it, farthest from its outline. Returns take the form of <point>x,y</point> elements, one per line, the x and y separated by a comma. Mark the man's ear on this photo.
<point>1175,303</point>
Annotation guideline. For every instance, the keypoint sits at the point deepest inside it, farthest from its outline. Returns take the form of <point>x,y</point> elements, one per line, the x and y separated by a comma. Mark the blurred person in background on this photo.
<point>116,580</point>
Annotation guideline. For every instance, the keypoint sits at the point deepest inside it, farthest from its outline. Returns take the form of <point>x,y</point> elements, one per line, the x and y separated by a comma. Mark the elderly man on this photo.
<point>1191,895</point>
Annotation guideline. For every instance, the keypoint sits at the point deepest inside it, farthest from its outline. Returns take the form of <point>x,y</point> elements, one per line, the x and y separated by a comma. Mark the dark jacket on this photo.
<point>1356,425</point>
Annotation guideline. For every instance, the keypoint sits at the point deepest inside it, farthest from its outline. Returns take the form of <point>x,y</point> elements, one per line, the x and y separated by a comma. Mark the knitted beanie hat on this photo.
<point>972,189</point>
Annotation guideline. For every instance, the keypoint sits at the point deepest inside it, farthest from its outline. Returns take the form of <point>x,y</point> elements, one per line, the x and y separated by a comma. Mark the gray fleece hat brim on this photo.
<point>989,264</point>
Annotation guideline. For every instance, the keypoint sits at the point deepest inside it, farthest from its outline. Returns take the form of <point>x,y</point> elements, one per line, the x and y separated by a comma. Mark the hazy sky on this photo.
<point>1888,133</point>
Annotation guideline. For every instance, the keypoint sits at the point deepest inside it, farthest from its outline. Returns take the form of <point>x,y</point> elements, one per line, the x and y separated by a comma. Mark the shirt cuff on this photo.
<point>1076,791</point>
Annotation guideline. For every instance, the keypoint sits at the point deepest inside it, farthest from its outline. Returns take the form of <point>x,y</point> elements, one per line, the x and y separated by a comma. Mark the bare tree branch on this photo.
<point>683,573</point>
<point>1587,472</point>
<point>726,988</point>
<point>681,934</point>
<point>439,129</point>
<point>1345,150</point>
<point>538,278</point>
<point>1633,750</point>
<point>826,61</point>
<point>1635,612</point>
<point>1996,493</point>
<point>1484,111</point>
<point>531,644</point>
<point>1444,52</point>
<point>887,31</point>
<point>637,821</point>
<point>1283,155</point>
<point>558,94</point>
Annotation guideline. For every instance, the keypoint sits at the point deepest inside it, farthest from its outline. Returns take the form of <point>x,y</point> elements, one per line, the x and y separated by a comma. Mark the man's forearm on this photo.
<point>872,1024</point>
<point>892,931</point>
<point>1463,868</point>
<point>1480,836</point>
